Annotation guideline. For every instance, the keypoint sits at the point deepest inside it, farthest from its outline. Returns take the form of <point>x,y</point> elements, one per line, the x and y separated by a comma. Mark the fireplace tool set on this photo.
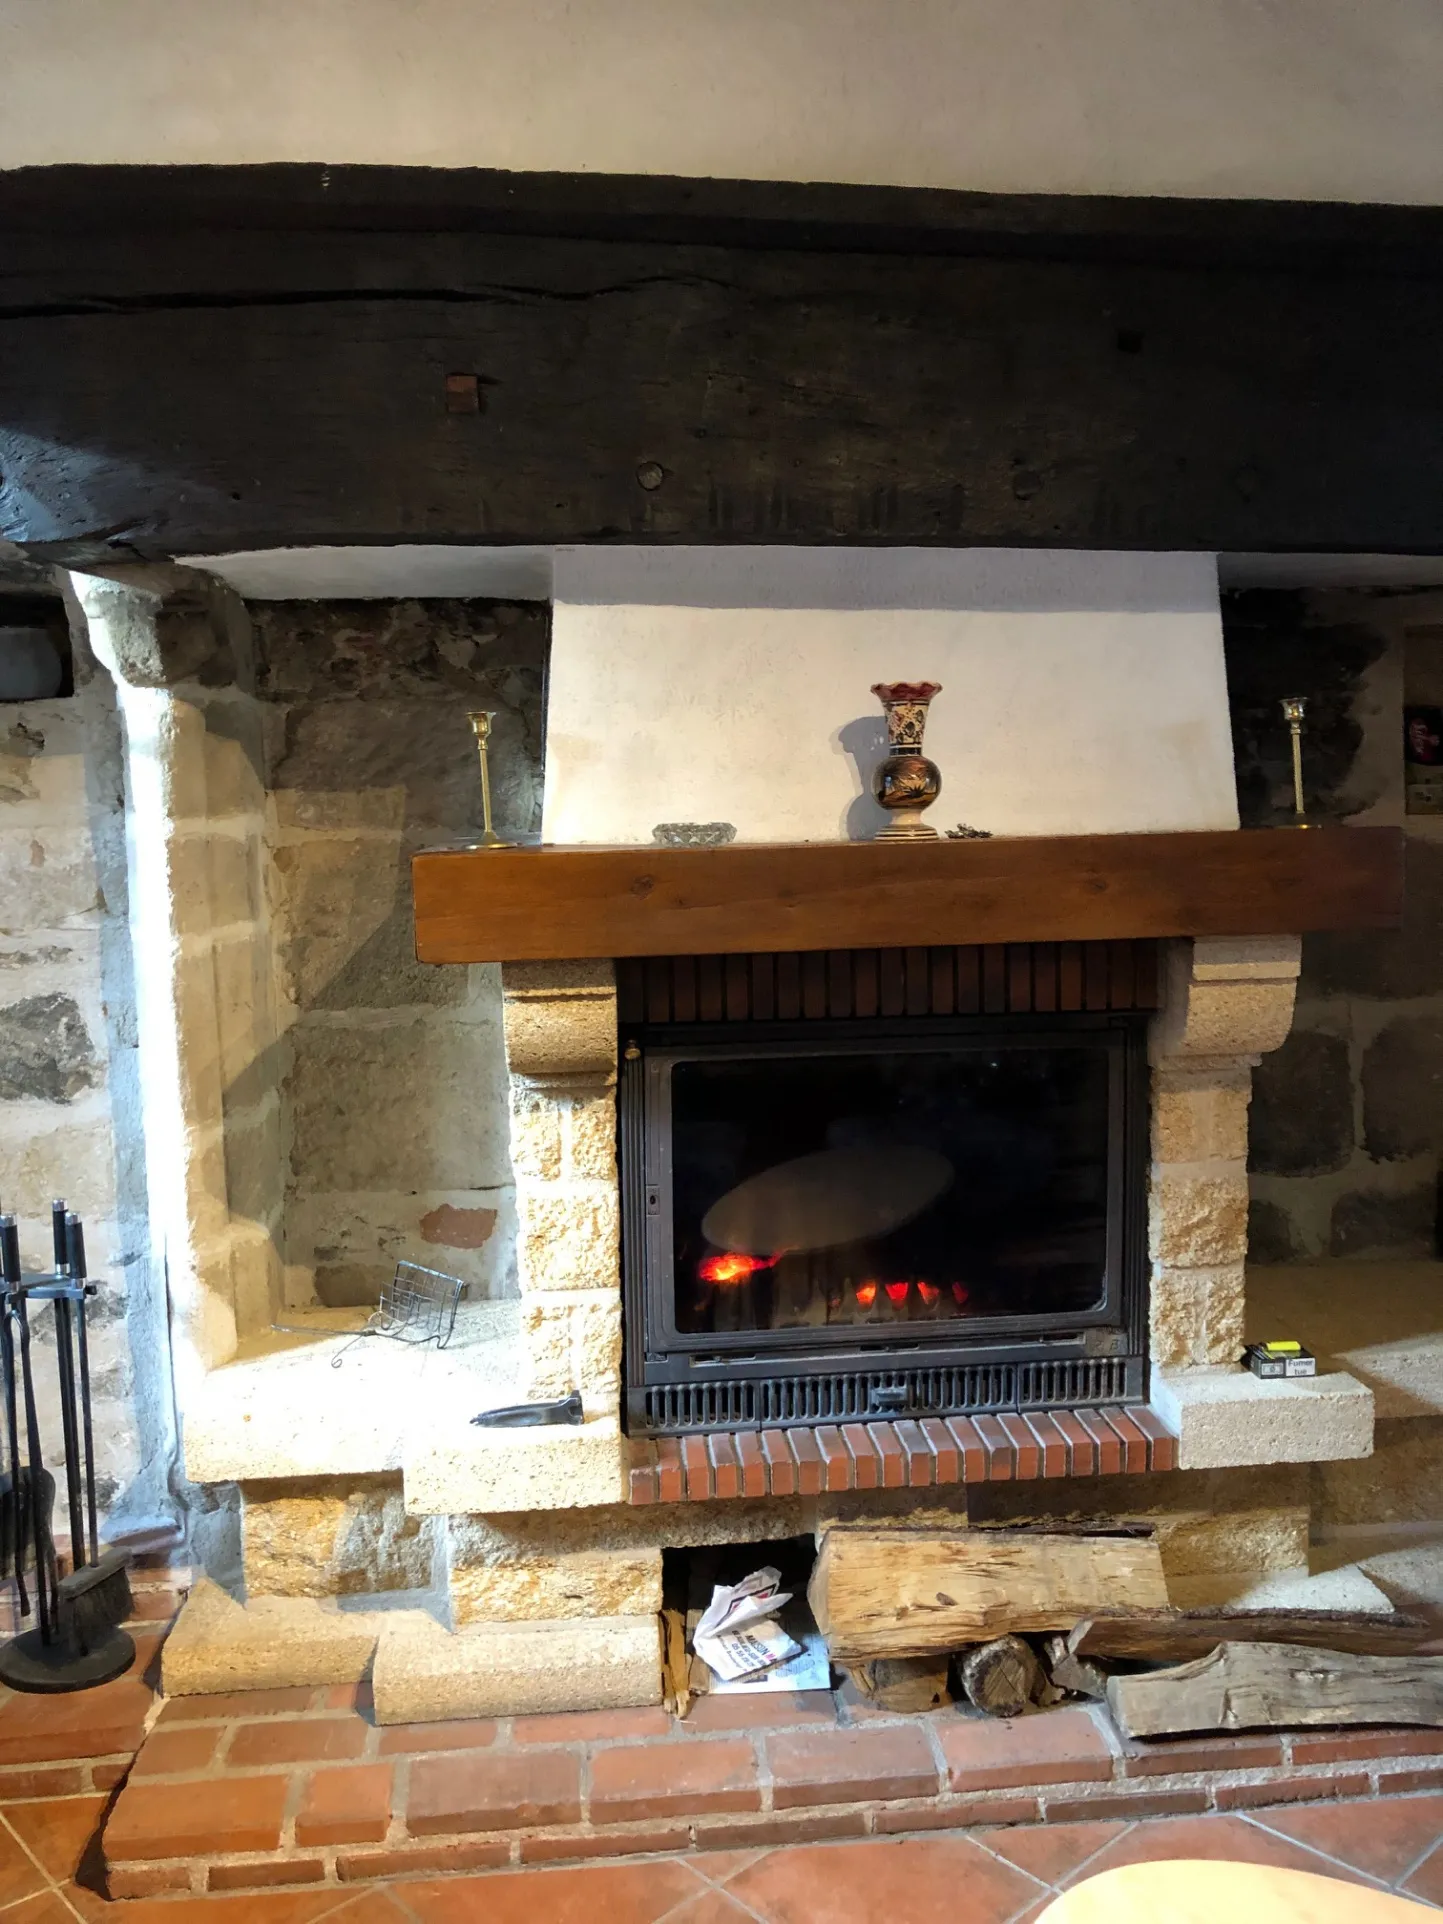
<point>76,1640</point>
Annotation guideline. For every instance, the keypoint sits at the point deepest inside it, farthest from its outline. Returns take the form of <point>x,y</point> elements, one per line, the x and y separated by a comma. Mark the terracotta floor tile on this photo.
<point>600,1894</point>
<point>19,1876</point>
<point>1050,1852</point>
<point>1379,1835</point>
<point>924,1880</point>
<point>721,1865</point>
<point>46,1908</point>
<point>58,1832</point>
<point>1215,1838</point>
<point>1426,1883</point>
<point>372,1907</point>
<point>712,1907</point>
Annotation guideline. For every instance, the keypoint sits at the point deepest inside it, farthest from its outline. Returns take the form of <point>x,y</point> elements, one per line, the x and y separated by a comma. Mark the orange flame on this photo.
<point>732,1267</point>
<point>866,1294</point>
<point>897,1292</point>
<point>960,1293</point>
<point>929,1293</point>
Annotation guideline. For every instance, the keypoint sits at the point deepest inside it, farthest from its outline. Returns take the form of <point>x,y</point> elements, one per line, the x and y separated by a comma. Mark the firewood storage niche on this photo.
<point>883,1183</point>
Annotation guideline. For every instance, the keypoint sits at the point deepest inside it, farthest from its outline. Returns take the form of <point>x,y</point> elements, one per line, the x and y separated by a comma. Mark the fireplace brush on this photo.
<point>77,1640</point>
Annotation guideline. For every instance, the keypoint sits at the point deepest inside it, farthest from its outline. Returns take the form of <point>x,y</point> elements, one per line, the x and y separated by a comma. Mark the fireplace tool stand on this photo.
<point>76,1640</point>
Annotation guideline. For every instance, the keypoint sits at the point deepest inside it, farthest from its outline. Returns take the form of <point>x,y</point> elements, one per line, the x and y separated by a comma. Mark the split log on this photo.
<point>909,1593</point>
<point>1173,1636</point>
<point>1073,1674</point>
<point>1254,1686</point>
<point>904,1684</point>
<point>676,1664</point>
<point>1002,1677</point>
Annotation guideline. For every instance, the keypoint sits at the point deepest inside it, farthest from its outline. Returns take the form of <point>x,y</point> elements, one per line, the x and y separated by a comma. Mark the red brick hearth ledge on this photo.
<point>900,1455</point>
<point>299,1787</point>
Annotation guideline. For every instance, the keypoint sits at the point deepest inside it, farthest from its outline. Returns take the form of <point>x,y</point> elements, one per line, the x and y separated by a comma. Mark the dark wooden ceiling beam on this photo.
<point>197,360</point>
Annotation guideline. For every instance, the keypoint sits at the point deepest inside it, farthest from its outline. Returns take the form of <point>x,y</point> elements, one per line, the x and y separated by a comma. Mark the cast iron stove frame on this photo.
<point>676,1382</point>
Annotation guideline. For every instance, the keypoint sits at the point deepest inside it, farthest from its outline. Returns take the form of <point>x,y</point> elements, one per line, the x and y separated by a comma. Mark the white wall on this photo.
<point>1332,99</point>
<point>1081,692</point>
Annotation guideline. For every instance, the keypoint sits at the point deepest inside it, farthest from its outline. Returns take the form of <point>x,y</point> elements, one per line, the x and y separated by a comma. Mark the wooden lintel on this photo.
<point>533,904</point>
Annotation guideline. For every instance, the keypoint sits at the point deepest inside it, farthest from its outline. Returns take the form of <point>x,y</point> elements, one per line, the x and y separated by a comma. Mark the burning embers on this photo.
<point>729,1269</point>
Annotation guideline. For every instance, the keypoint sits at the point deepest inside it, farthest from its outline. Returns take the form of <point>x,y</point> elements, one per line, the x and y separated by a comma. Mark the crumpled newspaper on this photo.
<point>736,1635</point>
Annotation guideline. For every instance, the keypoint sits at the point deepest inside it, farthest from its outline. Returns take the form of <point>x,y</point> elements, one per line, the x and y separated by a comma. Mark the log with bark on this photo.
<point>904,1684</point>
<point>909,1593</point>
<point>1253,1686</point>
<point>1173,1636</point>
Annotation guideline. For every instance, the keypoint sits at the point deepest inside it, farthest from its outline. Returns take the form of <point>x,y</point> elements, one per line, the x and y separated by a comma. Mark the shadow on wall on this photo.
<point>393,1120</point>
<point>864,743</point>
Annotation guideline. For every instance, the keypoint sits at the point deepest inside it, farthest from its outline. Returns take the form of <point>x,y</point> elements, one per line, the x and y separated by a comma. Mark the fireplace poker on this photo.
<point>61,1307</point>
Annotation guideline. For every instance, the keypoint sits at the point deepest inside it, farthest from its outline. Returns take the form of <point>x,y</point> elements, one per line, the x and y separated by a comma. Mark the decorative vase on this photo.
<point>906,782</point>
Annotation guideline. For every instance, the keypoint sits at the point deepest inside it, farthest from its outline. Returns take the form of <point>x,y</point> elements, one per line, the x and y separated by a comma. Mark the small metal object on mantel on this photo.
<point>1295,708</point>
<point>418,1305</point>
<point>481,720</point>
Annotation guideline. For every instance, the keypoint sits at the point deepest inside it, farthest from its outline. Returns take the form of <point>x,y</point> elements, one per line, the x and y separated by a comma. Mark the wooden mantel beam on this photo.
<point>530,904</point>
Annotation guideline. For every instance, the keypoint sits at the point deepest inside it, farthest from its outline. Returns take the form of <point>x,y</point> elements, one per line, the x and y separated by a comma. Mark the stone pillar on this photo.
<point>1227,1000</point>
<point>561,1054</point>
<point>178,647</point>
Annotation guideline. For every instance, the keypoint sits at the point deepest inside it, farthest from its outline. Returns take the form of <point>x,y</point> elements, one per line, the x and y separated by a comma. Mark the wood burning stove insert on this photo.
<point>883,1183</point>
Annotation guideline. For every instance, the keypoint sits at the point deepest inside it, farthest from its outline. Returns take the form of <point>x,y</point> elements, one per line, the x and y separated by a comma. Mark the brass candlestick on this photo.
<point>1295,707</point>
<point>481,720</point>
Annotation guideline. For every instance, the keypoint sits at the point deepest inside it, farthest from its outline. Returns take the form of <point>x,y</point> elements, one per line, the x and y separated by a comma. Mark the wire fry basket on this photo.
<point>418,1305</point>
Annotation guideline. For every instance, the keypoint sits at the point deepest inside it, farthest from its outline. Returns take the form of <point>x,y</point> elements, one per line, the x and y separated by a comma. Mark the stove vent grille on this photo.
<point>769,1402</point>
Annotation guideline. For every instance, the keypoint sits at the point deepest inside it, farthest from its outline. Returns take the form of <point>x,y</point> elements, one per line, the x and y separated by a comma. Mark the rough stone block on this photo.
<point>1403,1088</point>
<point>1302,1122</point>
<point>418,1104</point>
<point>560,1018</point>
<point>610,1583</point>
<point>275,1643</point>
<point>1401,1482</point>
<point>481,1471</point>
<point>214,880</point>
<point>596,1339</point>
<point>591,1137</point>
<point>1389,964</point>
<point>1226,996</point>
<point>218,759</point>
<point>47,877</point>
<point>424,1675</point>
<point>1197,1119</point>
<point>1196,1316</point>
<point>1198,1220</point>
<point>79,1142</point>
<point>1386,1222</point>
<point>333,1539</point>
<point>1206,1543</point>
<point>254,1165</point>
<point>568,1237</point>
<point>245,1022</point>
<point>348,938</point>
<point>1228,1417</point>
<point>1272,1237</point>
<point>45,1050</point>
<point>535,1133</point>
<point>546,1329</point>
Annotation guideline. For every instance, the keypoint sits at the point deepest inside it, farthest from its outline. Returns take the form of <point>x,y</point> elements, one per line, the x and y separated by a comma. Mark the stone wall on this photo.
<point>68,1062</point>
<point>1347,1116</point>
<point>393,1081</point>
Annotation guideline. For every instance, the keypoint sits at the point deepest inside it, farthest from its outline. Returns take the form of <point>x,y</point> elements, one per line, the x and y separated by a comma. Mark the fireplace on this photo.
<point>872,1183</point>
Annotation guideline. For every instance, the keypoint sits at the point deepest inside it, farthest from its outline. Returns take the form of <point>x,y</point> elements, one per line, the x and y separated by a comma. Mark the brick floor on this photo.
<point>284,1807</point>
